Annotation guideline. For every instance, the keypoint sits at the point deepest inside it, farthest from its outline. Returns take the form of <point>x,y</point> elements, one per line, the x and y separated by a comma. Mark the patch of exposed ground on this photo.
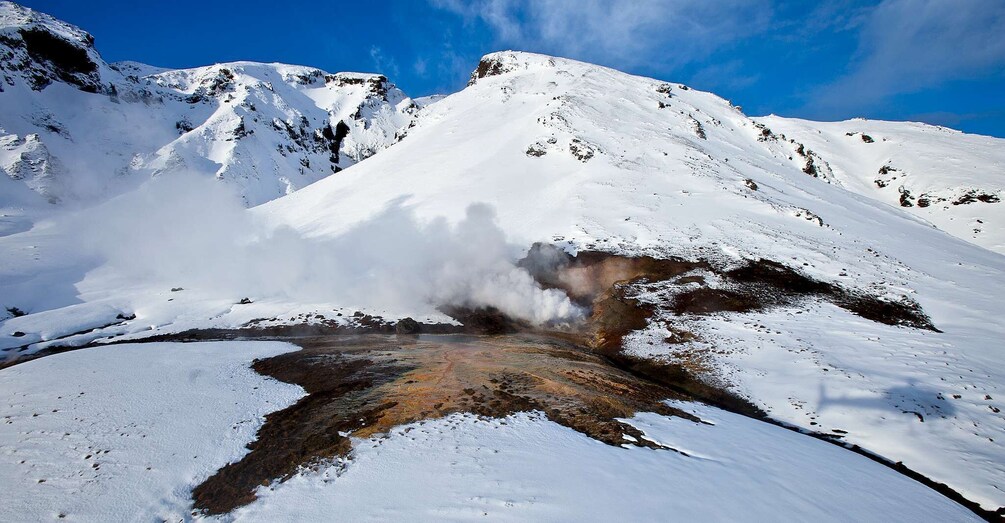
<point>690,292</point>
<point>365,375</point>
<point>361,386</point>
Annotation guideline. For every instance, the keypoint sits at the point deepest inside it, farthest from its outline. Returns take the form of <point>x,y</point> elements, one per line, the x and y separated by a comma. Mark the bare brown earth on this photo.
<point>362,385</point>
<point>365,385</point>
<point>366,375</point>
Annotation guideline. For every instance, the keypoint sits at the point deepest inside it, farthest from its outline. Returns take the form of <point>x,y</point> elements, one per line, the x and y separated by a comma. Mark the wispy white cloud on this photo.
<point>384,64</point>
<point>449,65</point>
<point>909,45</point>
<point>625,33</point>
<point>420,67</point>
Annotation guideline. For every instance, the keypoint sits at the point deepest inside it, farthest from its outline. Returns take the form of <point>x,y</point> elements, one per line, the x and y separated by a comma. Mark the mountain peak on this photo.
<point>502,62</point>
<point>14,17</point>
<point>42,50</point>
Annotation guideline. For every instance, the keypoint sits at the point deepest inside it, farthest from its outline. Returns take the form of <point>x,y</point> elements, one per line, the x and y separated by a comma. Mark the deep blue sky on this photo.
<point>938,61</point>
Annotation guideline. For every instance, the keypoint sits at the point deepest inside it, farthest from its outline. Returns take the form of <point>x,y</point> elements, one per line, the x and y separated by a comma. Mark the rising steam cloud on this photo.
<point>192,232</point>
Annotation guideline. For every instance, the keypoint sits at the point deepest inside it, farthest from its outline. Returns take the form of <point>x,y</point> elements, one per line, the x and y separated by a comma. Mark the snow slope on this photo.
<point>123,433</point>
<point>954,180</point>
<point>593,158</point>
<point>74,129</point>
<point>566,152</point>
<point>526,468</point>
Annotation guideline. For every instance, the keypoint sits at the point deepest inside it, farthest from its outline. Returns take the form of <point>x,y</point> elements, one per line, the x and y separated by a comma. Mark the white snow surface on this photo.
<point>954,180</point>
<point>526,468</point>
<point>157,419</point>
<point>582,156</point>
<point>654,185</point>
<point>123,433</point>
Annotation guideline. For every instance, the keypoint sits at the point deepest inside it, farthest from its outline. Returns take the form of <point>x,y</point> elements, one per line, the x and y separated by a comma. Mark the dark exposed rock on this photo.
<point>487,67</point>
<point>536,150</point>
<point>484,320</point>
<point>973,196</point>
<point>376,84</point>
<point>407,326</point>
<point>581,150</point>
<point>45,46</point>
<point>699,130</point>
<point>765,132</point>
<point>906,200</point>
<point>241,131</point>
<point>810,168</point>
<point>42,57</point>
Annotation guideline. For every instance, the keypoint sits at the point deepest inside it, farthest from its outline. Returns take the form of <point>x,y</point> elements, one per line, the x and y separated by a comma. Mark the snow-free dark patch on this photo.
<point>487,67</point>
<point>362,386</point>
<point>67,58</point>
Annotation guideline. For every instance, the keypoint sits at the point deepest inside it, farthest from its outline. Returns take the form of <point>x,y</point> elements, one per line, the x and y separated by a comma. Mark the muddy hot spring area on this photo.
<point>370,376</point>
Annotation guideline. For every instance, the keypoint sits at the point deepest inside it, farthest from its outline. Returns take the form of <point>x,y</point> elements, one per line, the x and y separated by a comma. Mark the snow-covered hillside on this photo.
<point>76,130</point>
<point>183,410</point>
<point>954,180</point>
<point>592,158</point>
<point>535,149</point>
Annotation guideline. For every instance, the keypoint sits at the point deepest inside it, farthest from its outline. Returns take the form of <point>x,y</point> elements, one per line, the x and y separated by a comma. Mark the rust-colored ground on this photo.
<point>365,385</point>
<point>361,385</point>
<point>366,375</point>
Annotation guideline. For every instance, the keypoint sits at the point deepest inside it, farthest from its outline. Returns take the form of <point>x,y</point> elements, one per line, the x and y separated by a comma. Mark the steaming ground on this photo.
<point>537,149</point>
<point>193,235</point>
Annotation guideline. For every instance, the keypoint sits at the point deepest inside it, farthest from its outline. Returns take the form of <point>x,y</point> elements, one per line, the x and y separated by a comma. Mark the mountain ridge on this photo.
<point>264,156</point>
<point>78,134</point>
<point>537,150</point>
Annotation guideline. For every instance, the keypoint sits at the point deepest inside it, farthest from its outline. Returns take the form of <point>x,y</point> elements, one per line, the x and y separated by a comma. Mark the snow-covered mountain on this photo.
<point>74,129</point>
<point>535,149</point>
<point>954,180</point>
<point>591,158</point>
